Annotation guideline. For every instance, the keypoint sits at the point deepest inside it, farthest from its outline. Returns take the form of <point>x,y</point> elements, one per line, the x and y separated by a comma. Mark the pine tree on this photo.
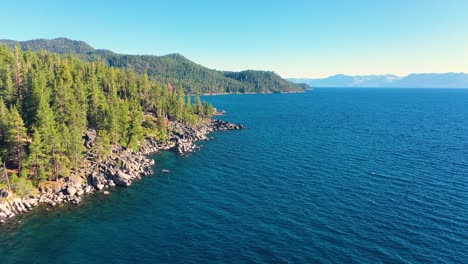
<point>102,146</point>
<point>7,89</point>
<point>123,123</point>
<point>18,66</point>
<point>37,157</point>
<point>180,104</point>
<point>3,128</point>
<point>145,87</point>
<point>56,98</point>
<point>197,104</point>
<point>16,138</point>
<point>76,125</point>
<point>33,95</point>
<point>47,127</point>
<point>96,104</point>
<point>135,129</point>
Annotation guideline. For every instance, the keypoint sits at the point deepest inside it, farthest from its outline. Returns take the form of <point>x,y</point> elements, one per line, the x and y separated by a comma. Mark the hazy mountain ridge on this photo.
<point>58,45</point>
<point>171,68</point>
<point>415,80</point>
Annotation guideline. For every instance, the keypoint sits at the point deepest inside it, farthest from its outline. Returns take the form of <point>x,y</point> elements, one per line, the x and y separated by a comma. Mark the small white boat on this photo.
<point>164,171</point>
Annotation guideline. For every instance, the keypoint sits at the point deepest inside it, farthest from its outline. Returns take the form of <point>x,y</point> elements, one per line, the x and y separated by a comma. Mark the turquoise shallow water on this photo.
<point>332,175</point>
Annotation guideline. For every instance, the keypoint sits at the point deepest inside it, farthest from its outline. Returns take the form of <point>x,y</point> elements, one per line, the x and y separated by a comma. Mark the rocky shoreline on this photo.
<point>123,167</point>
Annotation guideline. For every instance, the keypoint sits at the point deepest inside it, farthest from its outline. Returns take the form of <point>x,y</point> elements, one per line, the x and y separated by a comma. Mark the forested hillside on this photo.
<point>58,45</point>
<point>262,81</point>
<point>47,102</point>
<point>174,69</point>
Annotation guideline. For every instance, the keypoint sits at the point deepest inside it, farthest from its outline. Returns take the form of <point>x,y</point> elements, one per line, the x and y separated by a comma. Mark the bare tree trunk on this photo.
<point>6,176</point>
<point>18,77</point>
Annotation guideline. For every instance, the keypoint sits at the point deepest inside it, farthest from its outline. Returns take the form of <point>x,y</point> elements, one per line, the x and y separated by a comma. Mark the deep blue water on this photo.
<point>332,176</point>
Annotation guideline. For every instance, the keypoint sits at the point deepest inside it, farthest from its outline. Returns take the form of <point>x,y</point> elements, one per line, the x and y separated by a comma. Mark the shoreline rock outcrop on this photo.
<point>123,167</point>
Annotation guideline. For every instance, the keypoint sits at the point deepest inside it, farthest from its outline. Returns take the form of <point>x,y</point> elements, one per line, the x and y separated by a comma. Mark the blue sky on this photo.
<point>292,38</point>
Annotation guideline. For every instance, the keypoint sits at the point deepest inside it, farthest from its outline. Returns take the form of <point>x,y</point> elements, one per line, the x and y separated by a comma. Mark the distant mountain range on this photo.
<point>422,80</point>
<point>173,68</point>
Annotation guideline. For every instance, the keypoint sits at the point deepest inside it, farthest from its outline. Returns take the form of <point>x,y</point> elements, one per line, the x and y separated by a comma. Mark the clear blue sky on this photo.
<point>293,38</point>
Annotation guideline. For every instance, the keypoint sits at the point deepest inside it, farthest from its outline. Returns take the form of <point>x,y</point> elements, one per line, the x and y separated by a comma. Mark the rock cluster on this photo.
<point>122,168</point>
<point>219,113</point>
<point>224,126</point>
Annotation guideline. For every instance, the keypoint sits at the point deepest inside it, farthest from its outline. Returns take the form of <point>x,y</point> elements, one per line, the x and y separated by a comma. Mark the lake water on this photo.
<point>331,175</point>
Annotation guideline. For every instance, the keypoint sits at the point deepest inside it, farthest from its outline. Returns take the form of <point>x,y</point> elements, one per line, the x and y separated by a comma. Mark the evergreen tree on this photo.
<point>135,129</point>
<point>7,89</point>
<point>3,128</point>
<point>37,157</point>
<point>197,104</point>
<point>18,73</point>
<point>56,98</point>
<point>102,146</point>
<point>180,104</point>
<point>47,127</point>
<point>16,138</point>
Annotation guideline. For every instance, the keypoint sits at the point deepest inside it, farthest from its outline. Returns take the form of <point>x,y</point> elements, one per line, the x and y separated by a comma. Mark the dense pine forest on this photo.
<point>48,100</point>
<point>173,68</point>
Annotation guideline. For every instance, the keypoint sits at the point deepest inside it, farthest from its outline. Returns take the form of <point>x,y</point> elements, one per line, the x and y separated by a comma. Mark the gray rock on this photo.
<point>18,206</point>
<point>75,200</point>
<point>33,202</point>
<point>70,191</point>
<point>88,189</point>
<point>122,178</point>
<point>27,205</point>
<point>98,178</point>
<point>100,186</point>
<point>80,192</point>
<point>90,138</point>
<point>111,183</point>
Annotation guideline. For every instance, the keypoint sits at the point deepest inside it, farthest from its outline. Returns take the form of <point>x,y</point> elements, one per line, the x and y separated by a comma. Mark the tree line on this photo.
<point>172,68</point>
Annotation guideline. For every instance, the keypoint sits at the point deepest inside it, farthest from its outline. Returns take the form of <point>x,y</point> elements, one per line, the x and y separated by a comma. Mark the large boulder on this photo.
<point>111,183</point>
<point>90,138</point>
<point>70,190</point>
<point>4,208</point>
<point>88,189</point>
<point>18,206</point>
<point>98,178</point>
<point>121,178</point>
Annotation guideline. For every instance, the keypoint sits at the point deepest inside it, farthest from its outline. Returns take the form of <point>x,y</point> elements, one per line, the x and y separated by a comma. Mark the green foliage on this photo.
<point>102,146</point>
<point>134,133</point>
<point>58,45</point>
<point>48,101</point>
<point>178,70</point>
<point>173,68</point>
<point>22,186</point>
<point>37,157</point>
<point>15,137</point>
<point>3,128</point>
<point>262,82</point>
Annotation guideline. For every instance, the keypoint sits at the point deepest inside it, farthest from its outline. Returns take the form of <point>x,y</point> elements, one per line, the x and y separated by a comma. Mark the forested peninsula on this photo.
<point>70,126</point>
<point>172,68</point>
